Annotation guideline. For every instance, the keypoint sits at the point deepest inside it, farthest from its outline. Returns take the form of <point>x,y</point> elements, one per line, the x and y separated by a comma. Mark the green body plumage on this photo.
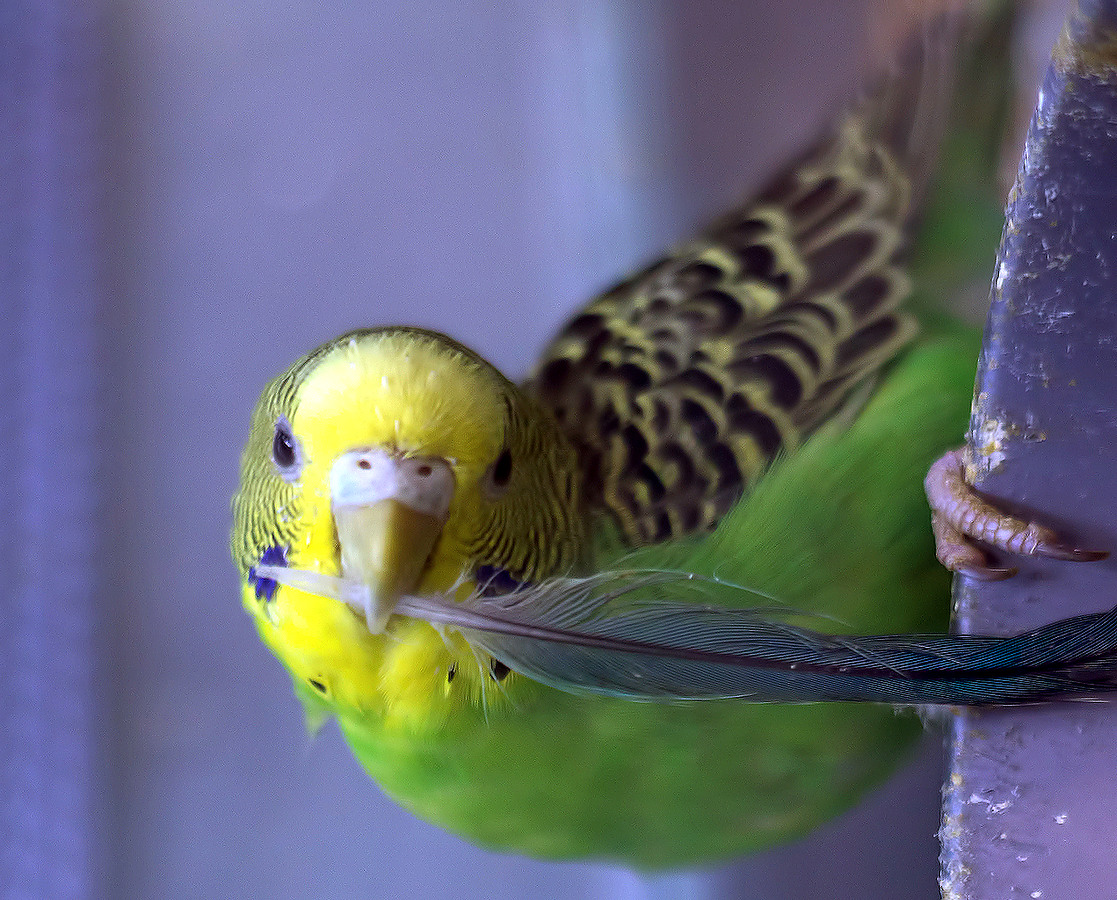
<point>779,335</point>
<point>838,529</point>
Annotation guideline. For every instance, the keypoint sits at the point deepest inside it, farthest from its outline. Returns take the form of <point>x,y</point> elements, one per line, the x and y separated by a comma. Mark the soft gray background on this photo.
<point>281,171</point>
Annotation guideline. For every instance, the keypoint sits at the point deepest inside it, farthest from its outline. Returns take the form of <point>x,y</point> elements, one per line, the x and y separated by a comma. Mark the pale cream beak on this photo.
<point>388,511</point>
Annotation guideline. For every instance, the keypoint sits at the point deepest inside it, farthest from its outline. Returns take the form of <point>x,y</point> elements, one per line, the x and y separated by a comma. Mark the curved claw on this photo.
<point>960,517</point>
<point>1059,550</point>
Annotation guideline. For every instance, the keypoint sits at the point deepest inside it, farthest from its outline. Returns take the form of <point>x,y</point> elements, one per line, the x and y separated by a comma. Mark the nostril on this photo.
<point>364,464</point>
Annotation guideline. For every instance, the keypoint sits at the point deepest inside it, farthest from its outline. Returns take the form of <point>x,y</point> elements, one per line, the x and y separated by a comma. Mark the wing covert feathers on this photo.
<point>680,385</point>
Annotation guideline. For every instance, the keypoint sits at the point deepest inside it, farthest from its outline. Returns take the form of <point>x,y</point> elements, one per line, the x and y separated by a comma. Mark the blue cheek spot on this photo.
<point>495,582</point>
<point>265,587</point>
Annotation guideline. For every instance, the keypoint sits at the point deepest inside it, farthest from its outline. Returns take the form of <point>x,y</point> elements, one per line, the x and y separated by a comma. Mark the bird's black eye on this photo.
<point>502,469</point>
<point>498,476</point>
<point>285,449</point>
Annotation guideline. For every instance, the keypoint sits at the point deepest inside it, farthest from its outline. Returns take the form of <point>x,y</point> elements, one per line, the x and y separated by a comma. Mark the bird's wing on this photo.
<point>681,384</point>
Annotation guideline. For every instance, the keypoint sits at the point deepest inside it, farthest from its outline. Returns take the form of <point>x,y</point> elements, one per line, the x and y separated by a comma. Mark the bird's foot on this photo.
<point>960,517</point>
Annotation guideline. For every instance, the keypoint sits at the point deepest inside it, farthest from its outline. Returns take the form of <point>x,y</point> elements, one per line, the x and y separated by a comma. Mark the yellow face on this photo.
<point>417,409</point>
<point>410,399</point>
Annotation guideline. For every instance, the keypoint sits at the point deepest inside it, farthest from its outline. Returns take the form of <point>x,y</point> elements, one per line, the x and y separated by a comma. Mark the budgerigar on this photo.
<point>541,613</point>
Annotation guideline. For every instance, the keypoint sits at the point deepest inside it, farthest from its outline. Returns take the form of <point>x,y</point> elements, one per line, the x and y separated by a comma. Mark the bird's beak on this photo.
<point>388,511</point>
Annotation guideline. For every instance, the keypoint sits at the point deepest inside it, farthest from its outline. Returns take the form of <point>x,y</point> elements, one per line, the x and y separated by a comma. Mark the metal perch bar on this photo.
<point>1030,802</point>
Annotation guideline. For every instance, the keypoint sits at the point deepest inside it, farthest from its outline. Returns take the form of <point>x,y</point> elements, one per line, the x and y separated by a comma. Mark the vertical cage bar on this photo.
<point>1030,807</point>
<point>49,113</point>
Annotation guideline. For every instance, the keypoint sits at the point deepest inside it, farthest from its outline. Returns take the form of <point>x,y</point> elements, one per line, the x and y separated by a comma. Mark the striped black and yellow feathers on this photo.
<point>679,386</point>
